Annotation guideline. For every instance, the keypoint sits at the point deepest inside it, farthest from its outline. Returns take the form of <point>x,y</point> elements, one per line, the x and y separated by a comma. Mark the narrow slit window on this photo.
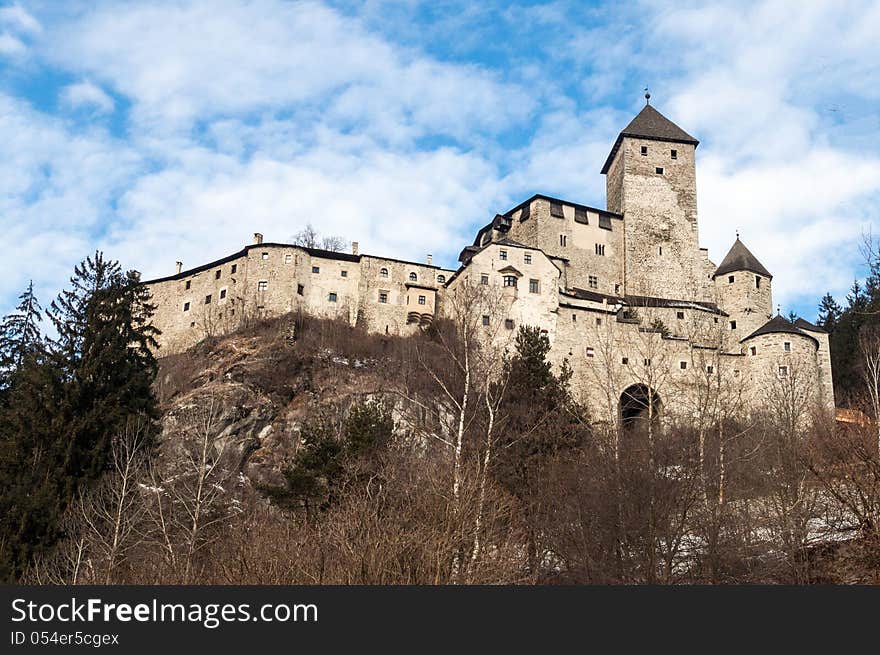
<point>673,154</point>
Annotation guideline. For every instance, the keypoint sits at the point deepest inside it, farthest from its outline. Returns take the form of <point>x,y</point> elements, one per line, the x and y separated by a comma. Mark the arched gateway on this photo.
<point>637,403</point>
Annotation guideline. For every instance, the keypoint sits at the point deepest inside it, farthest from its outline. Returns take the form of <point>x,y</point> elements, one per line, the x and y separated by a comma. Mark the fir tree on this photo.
<point>20,336</point>
<point>829,313</point>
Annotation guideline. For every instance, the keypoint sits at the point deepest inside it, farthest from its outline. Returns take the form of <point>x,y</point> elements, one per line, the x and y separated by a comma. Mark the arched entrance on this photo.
<point>638,403</point>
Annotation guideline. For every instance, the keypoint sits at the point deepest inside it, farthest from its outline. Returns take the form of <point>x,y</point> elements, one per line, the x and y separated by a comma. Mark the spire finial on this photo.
<point>737,233</point>
<point>647,96</point>
<point>778,310</point>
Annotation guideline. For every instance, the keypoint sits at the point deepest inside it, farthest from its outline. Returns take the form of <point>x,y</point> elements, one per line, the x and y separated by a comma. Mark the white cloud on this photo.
<point>16,17</point>
<point>87,94</point>
<point>181,63</point>
<point>9,45</point>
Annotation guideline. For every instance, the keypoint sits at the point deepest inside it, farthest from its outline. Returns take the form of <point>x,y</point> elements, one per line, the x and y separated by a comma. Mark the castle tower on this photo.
<point>651,180</point>
<point>742,287</point>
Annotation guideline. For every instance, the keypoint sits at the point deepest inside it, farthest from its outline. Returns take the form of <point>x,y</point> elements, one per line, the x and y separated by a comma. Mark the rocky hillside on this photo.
<point>264,380</point>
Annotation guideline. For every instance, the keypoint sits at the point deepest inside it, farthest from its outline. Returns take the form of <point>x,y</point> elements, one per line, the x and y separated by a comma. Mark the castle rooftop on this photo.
<point>780,324</point>
<point>740,258</point>
<point>650,124</point>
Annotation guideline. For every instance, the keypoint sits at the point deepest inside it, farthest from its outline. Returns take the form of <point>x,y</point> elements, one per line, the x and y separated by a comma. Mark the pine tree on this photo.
<point>20,336</point>
<point>829,313</point>
<point>103,349</point>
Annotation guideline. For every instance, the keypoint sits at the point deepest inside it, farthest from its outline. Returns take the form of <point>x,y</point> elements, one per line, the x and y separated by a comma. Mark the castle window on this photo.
<point>600,249</point>
<point>208,299</point>
<point>265,255</point>
<point>331,297</point>
<point>624,360</point>
<point>300,289</point>
<point>343,273</point>
<point>733,325</point>
<point>616,288</point>
<point>383,272</point>
<point>186,306</point>
<point>563,240</point>
<point>527,258</point>
<point>679,315</point>
<point>188,285</point>
<point>644,151</point>
<point>484,279</point>
<point>222,294</point>
<point>217,275</point>
<point>710,369</point>
<point>383,297</point>
<point>757,281</point>
<point>232,312</point>
<point>787,346</point>
<point>556,210</point>
<point>590,352</point>
<point>316,269</point>
<point>421,300</point>
<point>234,268</point>
<point>736,372</point>
<point>593,281</point>
<point>674,154</point>
<point>193,324</point>
<point>598,321</point>
<point>288,258</point>
<point>574,318</point>
<point>659,250</point>
<point>502,255</point>
<point>262,285</point>
<point>659,170</point>
<point>534,286</point>
<point>730,279</point>
<point>510,280</point>
<point>580,216</point>
<point>753,351</point>
<point>715,319</point>
<point>647,362</point>
<point>413,277</point>
<point>783,371</point>
<point>508,323</point>
<point>485,320</point>
<point>441,279</point>
<point>683,366</point>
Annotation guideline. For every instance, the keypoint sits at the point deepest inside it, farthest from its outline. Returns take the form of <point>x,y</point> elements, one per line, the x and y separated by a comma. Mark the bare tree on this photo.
<point>309,237</point>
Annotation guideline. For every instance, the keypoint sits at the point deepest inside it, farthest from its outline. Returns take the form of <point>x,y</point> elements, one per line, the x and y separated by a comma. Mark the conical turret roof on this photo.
<point>650,124</point>
<point>740,258</point>
<point>780,324</point>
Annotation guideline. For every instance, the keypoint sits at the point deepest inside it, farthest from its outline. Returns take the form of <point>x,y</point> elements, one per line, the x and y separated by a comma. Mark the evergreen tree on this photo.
<point>62,408</point>
<point>829,313</point>
<point>20,336</point>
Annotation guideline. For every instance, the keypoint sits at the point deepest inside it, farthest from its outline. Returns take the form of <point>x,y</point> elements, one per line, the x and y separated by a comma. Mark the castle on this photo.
<point>625,294</point>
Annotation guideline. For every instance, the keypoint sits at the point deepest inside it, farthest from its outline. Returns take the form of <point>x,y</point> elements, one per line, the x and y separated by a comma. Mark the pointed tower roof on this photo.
<point>780,324</point>
<point>650,124</point>
<point>740,258</point>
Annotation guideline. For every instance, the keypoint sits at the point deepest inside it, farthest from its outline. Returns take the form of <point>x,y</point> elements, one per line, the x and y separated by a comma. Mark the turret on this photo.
<point>742,287</point>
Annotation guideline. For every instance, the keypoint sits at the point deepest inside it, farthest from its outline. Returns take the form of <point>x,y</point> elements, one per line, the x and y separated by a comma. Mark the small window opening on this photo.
<point>787,346</point>
<point>484,279</point>
<point>679,315</point>
<point>673,154</point>
<point>383,297</point>
<point>502,255</point>
<point>188,284</point>
<point>783,371</point>
<point>222,294</point>
<point>644,151</point>
<point>343,273</point>
<point>441,279</point>
<point>510,280</point>
<point>485,320</point>
<point>316,269</point>
<point>234,268</point>
<point>383,272</point>
<point>217,275</point>
<point>753,351</point>
<point>600,249</point>
<point>733,325</point>
<point>265,255</point>
<point>534,286</point>
<point>683,365</point>
<point>413,277</point>
<point>624,360</point>
<point>300,289</point>
<point>730,279</point>
<point>593,281</point>
<point>262,285</point>
<point>331,297</point>
<point>563,240</point>
<point>186,306</point>
<point>757,281</point>
<point>208,299</point>
<point>422,300</point>
<point>659,170</point>
<point>527,258</point>
<point>508,323</point>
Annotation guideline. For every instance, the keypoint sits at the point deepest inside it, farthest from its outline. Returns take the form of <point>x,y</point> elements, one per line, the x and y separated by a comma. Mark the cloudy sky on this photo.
<point>162,131</point>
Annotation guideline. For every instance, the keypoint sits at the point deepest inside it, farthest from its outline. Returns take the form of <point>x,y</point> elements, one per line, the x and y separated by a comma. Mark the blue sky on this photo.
<point>163,131</point>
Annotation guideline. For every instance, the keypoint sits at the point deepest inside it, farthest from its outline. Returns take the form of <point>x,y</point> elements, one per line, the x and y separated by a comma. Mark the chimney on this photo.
<point>354,247</point>
<point>179,266</point>
<point>430,260</point>
<point>258,238</point>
